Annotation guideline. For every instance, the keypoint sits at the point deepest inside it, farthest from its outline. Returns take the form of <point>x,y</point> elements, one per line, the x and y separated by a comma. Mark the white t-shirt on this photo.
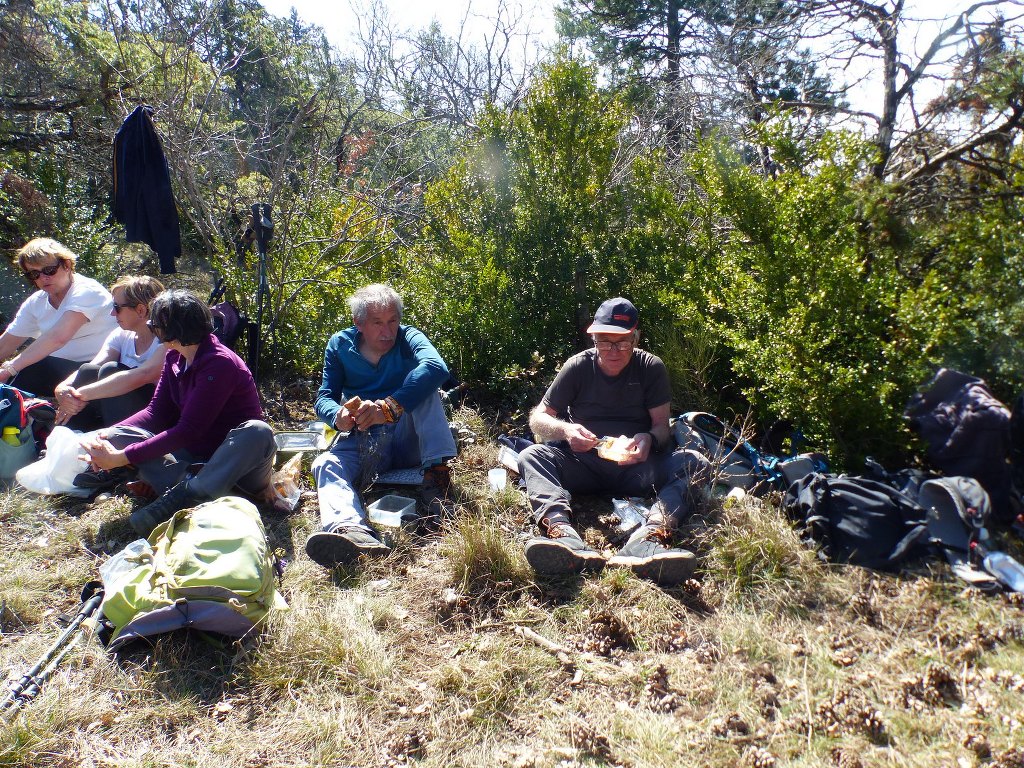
<point>122,343</point>
<point>36,316</point>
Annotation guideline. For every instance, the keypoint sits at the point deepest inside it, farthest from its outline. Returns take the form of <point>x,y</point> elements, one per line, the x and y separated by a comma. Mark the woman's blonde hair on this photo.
<point>41,249</point>
<point>138,289</point>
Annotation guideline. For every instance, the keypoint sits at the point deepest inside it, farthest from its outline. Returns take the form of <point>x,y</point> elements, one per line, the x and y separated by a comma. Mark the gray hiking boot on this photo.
<point>181,496</point>
<point>344,546</point>
<point>649,555</point>
<point>561,551</point>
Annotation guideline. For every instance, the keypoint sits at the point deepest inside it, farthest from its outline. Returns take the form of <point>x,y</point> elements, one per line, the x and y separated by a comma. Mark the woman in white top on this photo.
<point>68,317</point>
<point>120,380</point>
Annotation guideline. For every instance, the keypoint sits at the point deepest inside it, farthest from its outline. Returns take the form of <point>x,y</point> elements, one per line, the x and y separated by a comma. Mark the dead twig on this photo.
<point>560,652</point>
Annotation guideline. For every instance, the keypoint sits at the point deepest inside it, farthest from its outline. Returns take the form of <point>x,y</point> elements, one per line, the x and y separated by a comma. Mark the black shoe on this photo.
<point>342,547</point>
<point>102,479</point>
<point>181,496</point>
<point>561,551</point>
<point>649,556</point>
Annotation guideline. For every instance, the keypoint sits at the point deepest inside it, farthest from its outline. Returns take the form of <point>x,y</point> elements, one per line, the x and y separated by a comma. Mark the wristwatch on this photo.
<point>11,370</point>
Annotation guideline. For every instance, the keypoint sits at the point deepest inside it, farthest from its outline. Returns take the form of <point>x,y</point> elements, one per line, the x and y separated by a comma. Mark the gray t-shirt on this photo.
<point>609,405</point>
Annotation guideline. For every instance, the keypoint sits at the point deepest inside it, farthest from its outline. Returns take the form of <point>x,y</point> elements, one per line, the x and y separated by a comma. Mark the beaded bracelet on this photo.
<point>395,406</point>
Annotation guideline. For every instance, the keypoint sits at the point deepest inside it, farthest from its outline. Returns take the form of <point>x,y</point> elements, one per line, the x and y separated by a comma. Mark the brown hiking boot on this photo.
<point>562,551</point>
<point>435,494</point>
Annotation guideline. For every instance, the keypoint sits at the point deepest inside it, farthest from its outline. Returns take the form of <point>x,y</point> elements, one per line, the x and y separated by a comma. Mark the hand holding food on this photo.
<point>346,418</point>
<point>615,448</point>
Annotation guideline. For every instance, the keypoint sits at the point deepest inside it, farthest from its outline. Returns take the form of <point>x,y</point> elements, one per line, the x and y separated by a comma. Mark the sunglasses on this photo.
<point>119,307</point>
<point>50,271</point>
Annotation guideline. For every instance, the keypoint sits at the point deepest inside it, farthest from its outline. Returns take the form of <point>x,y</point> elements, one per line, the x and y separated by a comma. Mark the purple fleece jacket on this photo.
<point>195,408</point>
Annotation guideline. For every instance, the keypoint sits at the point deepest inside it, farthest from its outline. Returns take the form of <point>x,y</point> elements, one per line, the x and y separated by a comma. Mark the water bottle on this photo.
<point>12,436</point>
<point>1006,569</point>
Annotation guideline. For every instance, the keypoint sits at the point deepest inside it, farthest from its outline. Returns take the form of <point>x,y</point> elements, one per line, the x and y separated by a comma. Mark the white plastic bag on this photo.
<point>55,472</point>
<point>124,562</point>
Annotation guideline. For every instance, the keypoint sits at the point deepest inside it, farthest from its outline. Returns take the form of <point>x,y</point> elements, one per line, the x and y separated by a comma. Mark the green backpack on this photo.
<point>209,568</point>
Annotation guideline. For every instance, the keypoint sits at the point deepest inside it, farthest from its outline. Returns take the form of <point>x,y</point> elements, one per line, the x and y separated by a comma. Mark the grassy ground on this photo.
<point>450,652</point>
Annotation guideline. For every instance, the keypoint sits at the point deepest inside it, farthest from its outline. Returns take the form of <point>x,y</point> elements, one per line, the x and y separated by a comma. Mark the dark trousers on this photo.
<point>43,377</point>
<point>245,459</point>
<point>553,472</point>
<point>108,410</point>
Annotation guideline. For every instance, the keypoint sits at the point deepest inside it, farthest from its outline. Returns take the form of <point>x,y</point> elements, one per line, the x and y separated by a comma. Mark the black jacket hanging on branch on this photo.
<point>143,200</point>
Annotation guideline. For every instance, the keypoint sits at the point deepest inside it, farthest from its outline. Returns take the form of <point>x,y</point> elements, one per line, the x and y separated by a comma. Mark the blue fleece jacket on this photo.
<point>410,371</point>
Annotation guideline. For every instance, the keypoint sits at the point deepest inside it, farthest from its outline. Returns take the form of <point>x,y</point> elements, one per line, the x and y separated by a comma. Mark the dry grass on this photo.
<point>450,653</point>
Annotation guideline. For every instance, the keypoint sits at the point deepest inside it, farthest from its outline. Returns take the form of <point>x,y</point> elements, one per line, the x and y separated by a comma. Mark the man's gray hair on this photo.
<point>378,296</point>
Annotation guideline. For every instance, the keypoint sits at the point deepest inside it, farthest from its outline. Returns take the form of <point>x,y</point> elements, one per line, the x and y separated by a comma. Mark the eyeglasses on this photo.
<point>156,329</point>
<point>50,271</point>
<point>620,346</point>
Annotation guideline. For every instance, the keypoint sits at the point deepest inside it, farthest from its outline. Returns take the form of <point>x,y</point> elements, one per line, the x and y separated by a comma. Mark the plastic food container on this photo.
<point>293,442</point>
<point>508,458</point>
<point>391,509</point>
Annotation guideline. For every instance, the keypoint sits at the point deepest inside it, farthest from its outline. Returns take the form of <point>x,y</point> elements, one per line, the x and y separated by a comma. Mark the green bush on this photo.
<point>806,293</point>
<point>535,224</point>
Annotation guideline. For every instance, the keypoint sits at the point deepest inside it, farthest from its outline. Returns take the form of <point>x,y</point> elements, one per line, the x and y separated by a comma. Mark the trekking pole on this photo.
<point>263,228</point>
<point>28,687</point>
<point>217,293</point>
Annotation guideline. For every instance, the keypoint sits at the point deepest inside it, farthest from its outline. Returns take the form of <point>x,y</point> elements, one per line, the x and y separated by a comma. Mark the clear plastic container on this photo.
<point>508,458</point>
<point>294,442</point>
<point>497,478</point>
<point>392,510</point>
<point>319,427</point>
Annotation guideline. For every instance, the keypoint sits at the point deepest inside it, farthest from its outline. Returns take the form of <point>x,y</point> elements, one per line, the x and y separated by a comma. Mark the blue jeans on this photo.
<point>420,438</point>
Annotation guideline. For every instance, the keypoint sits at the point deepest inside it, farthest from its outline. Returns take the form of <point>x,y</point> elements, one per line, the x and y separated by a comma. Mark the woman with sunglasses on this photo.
<point>68,318</point>
<point>120,380</point>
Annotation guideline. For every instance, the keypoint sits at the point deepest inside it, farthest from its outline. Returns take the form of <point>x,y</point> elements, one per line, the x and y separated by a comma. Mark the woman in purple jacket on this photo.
<point>205,410</point>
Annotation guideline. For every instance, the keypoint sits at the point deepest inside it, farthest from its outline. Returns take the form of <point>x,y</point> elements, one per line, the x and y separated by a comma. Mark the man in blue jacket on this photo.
<point>380,385</point>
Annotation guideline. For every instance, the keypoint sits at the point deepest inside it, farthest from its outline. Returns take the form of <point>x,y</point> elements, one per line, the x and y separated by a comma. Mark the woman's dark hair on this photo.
<point>180,316</point>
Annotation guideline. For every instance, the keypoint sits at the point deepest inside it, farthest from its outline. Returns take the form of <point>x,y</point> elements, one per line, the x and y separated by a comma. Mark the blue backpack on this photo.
<point>737,462</point>
<point>12,407</point>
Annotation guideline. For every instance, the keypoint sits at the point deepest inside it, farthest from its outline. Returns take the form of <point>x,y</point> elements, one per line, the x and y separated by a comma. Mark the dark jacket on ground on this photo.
<point>968,433</point>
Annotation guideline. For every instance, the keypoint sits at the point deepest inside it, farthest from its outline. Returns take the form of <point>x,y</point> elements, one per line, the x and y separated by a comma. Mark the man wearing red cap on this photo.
<point>613,389</point>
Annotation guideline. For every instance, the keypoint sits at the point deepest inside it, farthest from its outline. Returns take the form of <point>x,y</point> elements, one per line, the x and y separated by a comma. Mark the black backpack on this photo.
<point>968,433</point>
<point>858,520</point>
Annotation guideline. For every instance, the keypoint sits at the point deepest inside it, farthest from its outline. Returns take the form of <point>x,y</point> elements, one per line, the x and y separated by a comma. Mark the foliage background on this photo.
<point>785,267</point>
